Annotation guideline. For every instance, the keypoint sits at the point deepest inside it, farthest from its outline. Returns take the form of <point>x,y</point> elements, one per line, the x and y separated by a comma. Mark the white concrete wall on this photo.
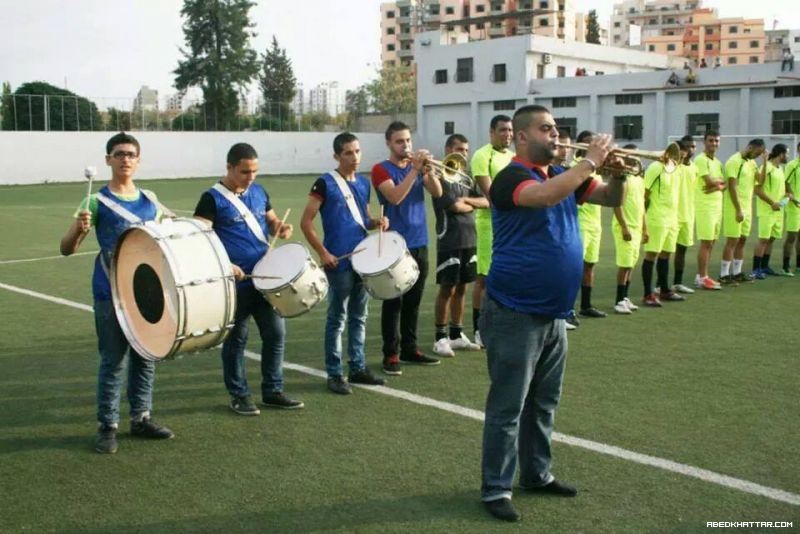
<point>38,157</point>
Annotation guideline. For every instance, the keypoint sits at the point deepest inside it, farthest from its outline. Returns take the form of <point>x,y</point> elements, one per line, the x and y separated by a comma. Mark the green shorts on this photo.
<point>483,228</point>
<point>627,252</point>
<point>708,225</point>
<point>686,233</point>
<point>731,228</point>
<point>770,226</point>
<point>661,239</point>
<point>591,246</point>
<point>792,219</point>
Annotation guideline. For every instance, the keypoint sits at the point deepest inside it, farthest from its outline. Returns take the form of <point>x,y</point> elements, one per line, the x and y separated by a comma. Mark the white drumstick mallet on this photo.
<point>380,235</point>
<point>89,172</point>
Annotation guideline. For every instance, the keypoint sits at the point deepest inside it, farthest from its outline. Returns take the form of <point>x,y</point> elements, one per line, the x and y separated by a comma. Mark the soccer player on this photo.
<point>792,215</point>
<point>401,181</point>
<point>708,207</point>
<point>486,163</point>
<point>103,211</point>
<point>662,189</point>
<point>455,254</point>
<point>341,197</point>
<point>629,230</point>
<point>230,207</point>
<point>686,211</point>
<point>770,191</point>
<point>737,210</point>
<point>591,226</point>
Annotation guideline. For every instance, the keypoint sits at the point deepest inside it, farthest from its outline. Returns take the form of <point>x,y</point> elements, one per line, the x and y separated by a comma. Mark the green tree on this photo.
<point>395,90</point>
<point>41,106</point>
<point>592,28</point>
<point>314,121</point>
<point>217,57</point>
<point>278,87</point>
<point>118,120</point>
<point>6,104</point>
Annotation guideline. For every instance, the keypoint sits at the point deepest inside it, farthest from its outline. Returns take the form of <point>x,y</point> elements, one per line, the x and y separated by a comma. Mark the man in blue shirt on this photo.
<point>341,197</point>
<point>537,264</point>
<point>401,181</point>
<point>227,207</point>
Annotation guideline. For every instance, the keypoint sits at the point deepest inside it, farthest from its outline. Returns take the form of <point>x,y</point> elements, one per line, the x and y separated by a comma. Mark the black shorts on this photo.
<point>455,267</point>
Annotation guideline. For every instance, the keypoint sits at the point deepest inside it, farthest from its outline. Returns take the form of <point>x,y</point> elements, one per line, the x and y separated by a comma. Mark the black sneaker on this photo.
<point>555,487</point>
<point>744,277</point>
<point>391,365</point>
<point>593,312</point>
<point>147,428</point>
<point>278,400</point>
<point>419,358</point>
<point>727,281</point>
<point>573,319</point>
<point>244,405</point>
<point>106,439</point>
<point>338,384</point>
<point>502,509</point>
<point>365,376</point>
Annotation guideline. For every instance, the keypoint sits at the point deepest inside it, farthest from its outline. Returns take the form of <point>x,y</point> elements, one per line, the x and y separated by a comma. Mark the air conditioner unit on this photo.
<point>546,59</point>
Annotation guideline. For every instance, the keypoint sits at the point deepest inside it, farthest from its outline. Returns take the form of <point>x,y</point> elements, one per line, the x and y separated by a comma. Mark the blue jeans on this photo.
<point>526,358</point>
<point>272,330</point>
<point>347,300</point>
<point>112,346</point>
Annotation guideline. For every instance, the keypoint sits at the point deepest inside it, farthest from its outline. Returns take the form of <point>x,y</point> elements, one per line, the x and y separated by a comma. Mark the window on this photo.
<point>440,76</point>
<point>561,71</point>
<point>390,47</point>
<point>731,61</point>
<point>733,29</point>
<point>543,4</point>
<point>788,91</point>
<point>480,9</point>
<point>539,71</point>
<point>565,102</point>
<point>449,127</point>
<point>709,46</point>
<point>505,105</point>
<point>651,48</point>
<point>389,31</point>
<point>747,30</point>
<point>797,39</point>
<point>670,48</point>
<point>709,31</point>
<point>694,47</point>
<point>449,11</point>
<point>753,59</point>
<point>390,14</point>
<point>786,122</point>
<point>569,125</point>
<point>617,24</point>
<point>753,44</point>
<point>434,9</point>
<point>700,123</point>
<point>464,70</point>
<point>703,96</point>
<point>733,44</point>
<point>653,21</point>
<point>628,127</point>
<point>544,22</point>
<point>633,98</point>
<point>499,72</point>
<point>480,25</point>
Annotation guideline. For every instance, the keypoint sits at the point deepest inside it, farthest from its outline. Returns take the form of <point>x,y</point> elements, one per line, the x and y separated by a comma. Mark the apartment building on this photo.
<point>780,40</point>
<point>474,20</point>
<point>652,17</point>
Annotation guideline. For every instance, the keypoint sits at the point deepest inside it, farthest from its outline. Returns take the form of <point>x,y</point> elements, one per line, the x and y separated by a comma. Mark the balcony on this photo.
<point>405,53</point>
<point>497,32</point>
<point>405,36</point>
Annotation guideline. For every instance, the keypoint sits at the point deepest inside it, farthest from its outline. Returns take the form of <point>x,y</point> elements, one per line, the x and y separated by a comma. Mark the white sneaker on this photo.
<point>463,343</point>
<point>631,306</point>
<point>680,288</point>
<point>478,340</point>
<point>442,348</point>
<point>570,326</point>
<point>622,307</point>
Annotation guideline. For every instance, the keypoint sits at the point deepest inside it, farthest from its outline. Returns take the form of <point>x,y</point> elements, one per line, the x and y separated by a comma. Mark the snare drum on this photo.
<point>389,274</point>
<point>173,287</point>
<point>298,284</point>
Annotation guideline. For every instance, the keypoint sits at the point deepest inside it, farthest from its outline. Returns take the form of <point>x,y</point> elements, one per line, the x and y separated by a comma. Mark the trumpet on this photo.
<point>453,168</point>
<point>670,157</point>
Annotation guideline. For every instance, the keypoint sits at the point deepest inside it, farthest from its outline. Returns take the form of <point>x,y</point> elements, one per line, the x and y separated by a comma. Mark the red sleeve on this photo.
<point>379,175</point>
<point>519,188</point>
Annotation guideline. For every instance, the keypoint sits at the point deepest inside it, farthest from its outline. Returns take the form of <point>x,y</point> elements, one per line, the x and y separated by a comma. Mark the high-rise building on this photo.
<point>778,41</point>
<point>650,18</point>
<point>473,20</point>
<point>327,97</point>
<point>175,102</point>
<point>300,101</point>
<point>146,99</point>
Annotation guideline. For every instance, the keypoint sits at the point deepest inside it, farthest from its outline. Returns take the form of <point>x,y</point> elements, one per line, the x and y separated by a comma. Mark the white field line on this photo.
<point>705,475</point>
<point>27,260</point>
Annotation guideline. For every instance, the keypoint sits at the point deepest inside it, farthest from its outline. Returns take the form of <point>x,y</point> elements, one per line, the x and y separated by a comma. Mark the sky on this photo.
<point>107,49</point>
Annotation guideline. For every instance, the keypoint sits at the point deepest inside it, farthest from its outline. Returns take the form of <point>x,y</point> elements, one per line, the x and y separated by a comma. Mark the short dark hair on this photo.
<point>686,139</point>
<point>522,117</point>
<point>564,134</point>
<point>122,138</point>
<point>498,118</point>
<point>453,138</point>
<point>342,139</point>
<point>777,150</point>
<point>710,133</point>
<point>757,142</point>
<point>396,126</point>
<point>241,151</point>
<point>584,136</point>
<point>684,145</point>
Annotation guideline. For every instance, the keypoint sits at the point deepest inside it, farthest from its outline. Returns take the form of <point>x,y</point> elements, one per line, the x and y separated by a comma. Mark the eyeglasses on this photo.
<point>121,154</point>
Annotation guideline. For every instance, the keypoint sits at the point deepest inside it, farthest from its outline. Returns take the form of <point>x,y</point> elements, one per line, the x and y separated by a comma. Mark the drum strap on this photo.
<point>119,210</point>
<point>349,199</point>
<point>244,211</point>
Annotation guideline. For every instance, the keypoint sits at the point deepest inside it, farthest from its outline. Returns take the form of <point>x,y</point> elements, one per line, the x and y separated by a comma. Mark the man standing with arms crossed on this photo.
<point>686,211</point>
<point>708,207</point>
<point>486,163</point>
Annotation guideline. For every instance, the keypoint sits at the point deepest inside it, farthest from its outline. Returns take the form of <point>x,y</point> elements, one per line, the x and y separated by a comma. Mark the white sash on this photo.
<point>349,199</point>
<point>244,211</point>
<point>119,210</point>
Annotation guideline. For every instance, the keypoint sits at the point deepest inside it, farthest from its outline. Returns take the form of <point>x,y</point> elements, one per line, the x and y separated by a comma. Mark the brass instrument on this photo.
<point>453,168</point>
<point>670,157</point>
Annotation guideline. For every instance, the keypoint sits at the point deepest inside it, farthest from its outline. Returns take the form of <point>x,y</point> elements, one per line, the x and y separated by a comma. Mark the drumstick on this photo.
<point>380,233</point>
<point>262,277</point>
<point>277,231</point>
<point>356,251</point>
<point>89,172</point>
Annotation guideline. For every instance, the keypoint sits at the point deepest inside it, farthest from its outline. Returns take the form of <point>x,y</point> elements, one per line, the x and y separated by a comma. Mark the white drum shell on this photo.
<point>197,281</point>
<point>298,292</point>
<point>394,274</point>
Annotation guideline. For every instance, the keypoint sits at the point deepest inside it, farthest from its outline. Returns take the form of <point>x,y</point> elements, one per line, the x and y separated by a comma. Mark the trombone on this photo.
<point>670,157</point>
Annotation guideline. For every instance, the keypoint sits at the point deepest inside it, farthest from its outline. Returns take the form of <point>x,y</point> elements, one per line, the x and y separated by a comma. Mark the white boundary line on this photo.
<point>26,260</point>
<point>705,475</point>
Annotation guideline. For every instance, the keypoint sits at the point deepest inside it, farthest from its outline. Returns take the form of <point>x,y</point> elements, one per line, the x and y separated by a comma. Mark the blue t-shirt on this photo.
<point>407,218</point>
<point>342,232</point>
<point>537,256</point>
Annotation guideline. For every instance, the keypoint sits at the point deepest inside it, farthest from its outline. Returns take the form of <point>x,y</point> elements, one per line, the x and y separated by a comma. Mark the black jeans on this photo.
<point>405,310</point>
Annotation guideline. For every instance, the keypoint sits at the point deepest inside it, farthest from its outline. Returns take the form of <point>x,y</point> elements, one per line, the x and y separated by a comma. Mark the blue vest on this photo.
<point>342,232</point>
<point>408,218</point>
<point>537,257</point>
<point>109,226</point>
<point>243,247</point>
